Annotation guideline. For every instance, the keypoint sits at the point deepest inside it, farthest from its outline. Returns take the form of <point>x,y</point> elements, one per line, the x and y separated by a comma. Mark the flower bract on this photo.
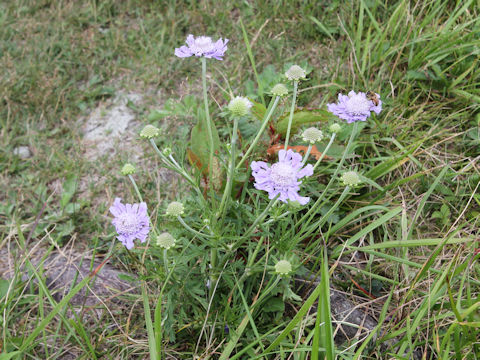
<point>283,267</point>
<point>282,178</point>
<point>354,107</point>
<point>312,135</point>
<point>351,178</point>
<point>128,169</point>
<point>131,222</point>
<point>175,209</point>
<point>279,90</point>
<point>202,46</point>
<point>295,73</point>
<point>239,106</point>
<point>165,240</point>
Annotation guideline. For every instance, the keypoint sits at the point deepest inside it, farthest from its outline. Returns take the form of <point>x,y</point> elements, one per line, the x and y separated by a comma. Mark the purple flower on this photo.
<point>202,46</point>
<point>282,177</point>
<point>131,222</point>
<point>354,107</point>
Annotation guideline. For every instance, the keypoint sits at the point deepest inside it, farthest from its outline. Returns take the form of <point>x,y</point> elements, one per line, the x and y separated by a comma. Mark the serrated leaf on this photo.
<point>301,118</point>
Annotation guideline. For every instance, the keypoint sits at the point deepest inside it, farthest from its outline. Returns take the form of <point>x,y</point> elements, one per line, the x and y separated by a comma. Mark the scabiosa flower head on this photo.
<point>239,106</point>
<point>165,240</point>
<point>174,209</point>
<point>335,128</point>
<point>295,73</point>
<point>279,90</point>
<point>312,135</point>
<point>202,46</point>
<point>354,107</point>
<point>283,267</point>
<point>351,178</point>
<point>128,169</point>
<point>149,132</point>
<point>282,177</point>
<point>131,222</point>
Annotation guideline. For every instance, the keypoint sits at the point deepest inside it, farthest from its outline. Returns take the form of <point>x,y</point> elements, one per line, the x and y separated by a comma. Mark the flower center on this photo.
<point>358,105</point>
<point>203,44</point>
<point>128,224</point>
<point>282,174</point>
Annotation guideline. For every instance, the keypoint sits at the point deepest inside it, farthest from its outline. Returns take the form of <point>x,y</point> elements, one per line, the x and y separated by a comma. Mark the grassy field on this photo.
<point>413,238</point>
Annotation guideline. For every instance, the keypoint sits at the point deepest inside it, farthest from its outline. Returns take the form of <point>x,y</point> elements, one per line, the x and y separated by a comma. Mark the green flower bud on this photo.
<point>174,209</point>
<point>240,106</point>
<point>167,151</point>
<point>128,169</point>
<point>149,132</point>
<point>279,90</point>
<point>283,267</point>
<point>312,135</point>
<point>335,128</point>
<point>351,178</point>
<point>295,73</point>
<point>165,240</point>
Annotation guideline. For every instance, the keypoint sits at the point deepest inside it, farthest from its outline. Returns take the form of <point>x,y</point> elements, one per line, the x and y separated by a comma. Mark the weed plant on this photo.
<point>387,208</point>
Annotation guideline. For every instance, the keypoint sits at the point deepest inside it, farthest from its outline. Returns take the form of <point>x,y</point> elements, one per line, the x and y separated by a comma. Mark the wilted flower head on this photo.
<point>283,267</point>
<point>351,178</point>
<point>354,107</point>
<point>312,135</point>
<point>295,73</point>
<point>239,106</point>
<point>279,90</point>
<point>175,209</point>
<point>282,177</point>
<point>131,222</point>
<point>202,46</point>
<point>335,128</point>
<point>149,132</point>
<point>128,169</point>
<point>165,240</point>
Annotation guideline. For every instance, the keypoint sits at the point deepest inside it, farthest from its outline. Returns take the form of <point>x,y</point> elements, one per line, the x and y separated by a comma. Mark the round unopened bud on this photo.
<point>206,222</point>
<point>335,128</point>
<point>128,169</point>
<point>283,267</point>
<point>279,90</point>
<point>240,106</point>
<point>312,135</point>
<point>167,151</point>
<point>165,240</point>
<point>174,209</point>
<point>149,132</point>
<point>295,73</point>
<point>351,178</point>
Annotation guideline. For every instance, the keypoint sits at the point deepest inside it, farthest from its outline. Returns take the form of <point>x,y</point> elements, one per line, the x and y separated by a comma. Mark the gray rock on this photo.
<point>23,152</point>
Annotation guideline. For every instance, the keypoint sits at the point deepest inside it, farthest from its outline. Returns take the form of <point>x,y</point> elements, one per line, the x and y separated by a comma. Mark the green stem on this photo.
<point>173,165</point>
<point>292,109</point>
<point>270,110</point>
<point>307,154</point>
<point>207,119</point>
<point>228,187</point>
<point>333,178</point>
<point>259,219</point>
<point>195,232</point>
<point>325,151</point>
<point>132,180</point>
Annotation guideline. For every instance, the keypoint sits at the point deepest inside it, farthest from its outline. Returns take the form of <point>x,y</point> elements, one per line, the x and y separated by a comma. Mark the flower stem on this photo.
<point>305,158</point>
<point>290,118</point>
<point>270,110</point>
<point>132,180</point>
<point>195,232</point>
<point>332,179</point>
<point>207,119</point>
<point>260,218</point>
<point>325,151</point>
<point>228,186</point>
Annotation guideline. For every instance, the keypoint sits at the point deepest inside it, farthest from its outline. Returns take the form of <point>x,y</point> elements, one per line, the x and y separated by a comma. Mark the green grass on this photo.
<point>415,223</point>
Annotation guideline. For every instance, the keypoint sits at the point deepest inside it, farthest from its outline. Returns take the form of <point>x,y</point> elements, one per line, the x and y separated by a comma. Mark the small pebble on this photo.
<point>23,152</point>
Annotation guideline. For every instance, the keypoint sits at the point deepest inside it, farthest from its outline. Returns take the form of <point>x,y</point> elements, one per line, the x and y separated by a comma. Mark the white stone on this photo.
<point>23,152</point>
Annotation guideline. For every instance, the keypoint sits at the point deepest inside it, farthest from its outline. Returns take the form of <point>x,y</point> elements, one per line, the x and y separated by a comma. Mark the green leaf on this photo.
<point>69,188</point>
<point>9,356</point>
<point>303,117</point>
<point>4,284</point>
